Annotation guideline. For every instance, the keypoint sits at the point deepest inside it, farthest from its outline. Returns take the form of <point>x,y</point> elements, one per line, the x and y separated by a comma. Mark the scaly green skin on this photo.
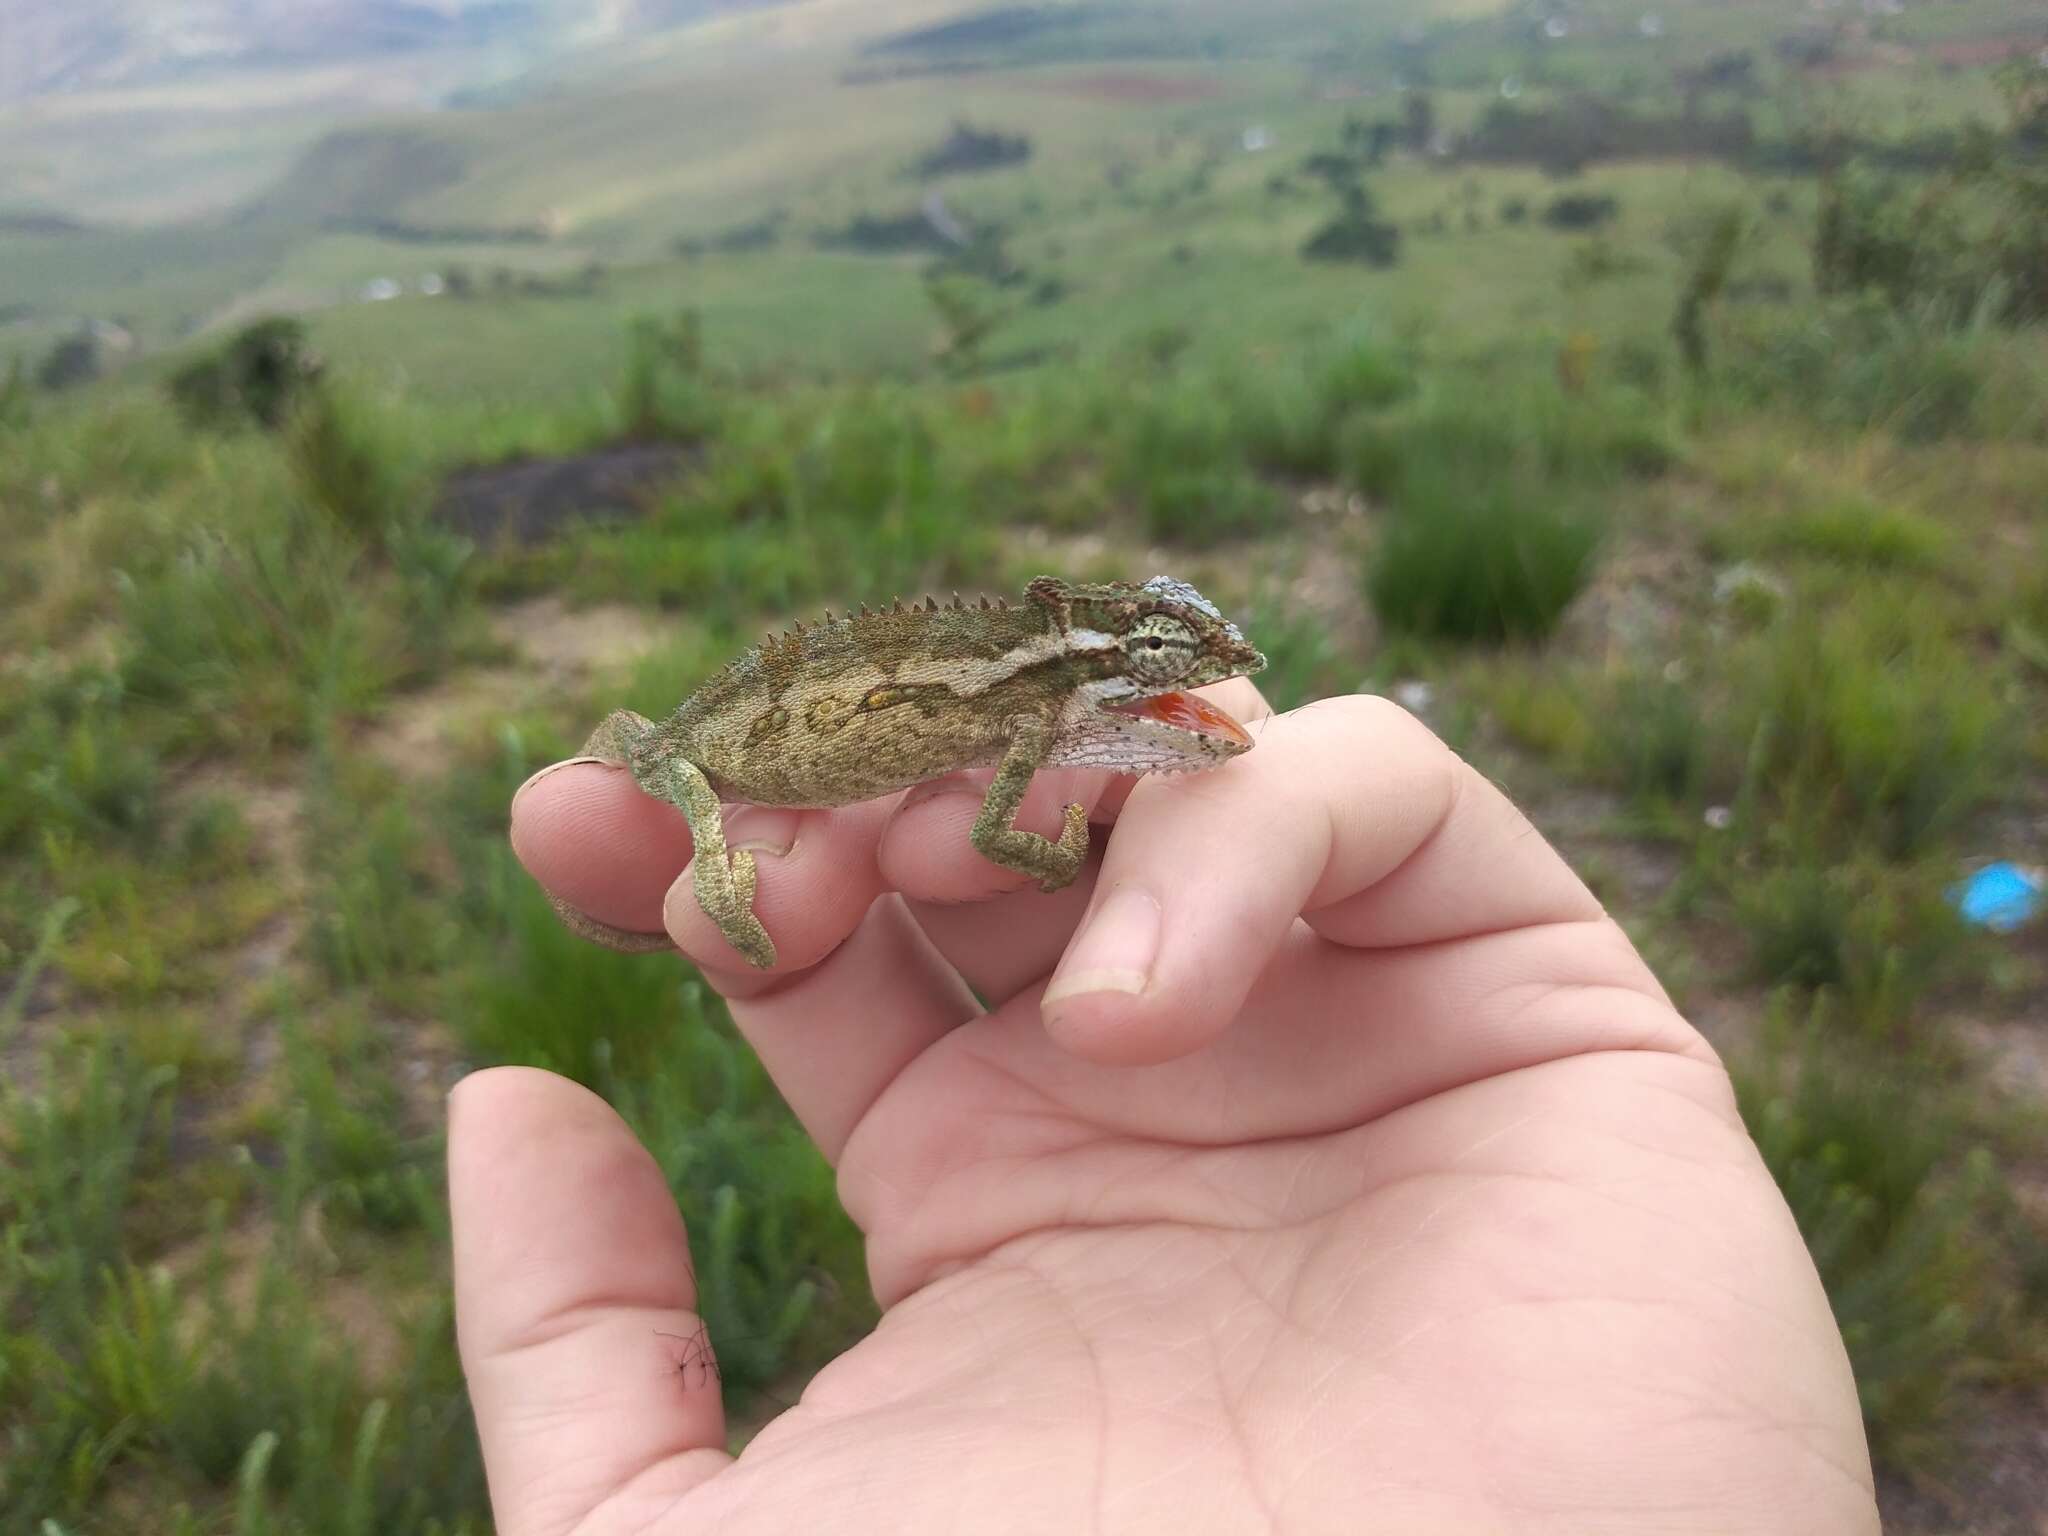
<point>872,703</point>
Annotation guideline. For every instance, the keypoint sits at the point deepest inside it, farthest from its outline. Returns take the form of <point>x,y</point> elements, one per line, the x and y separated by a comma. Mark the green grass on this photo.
<point>1853,530</point>
<point>262,717</point>
<point>1874,724</point>
<point>282,595</point>
<point>1902,1213</point>
<point>1879,939</point>
<point>1858,366</point>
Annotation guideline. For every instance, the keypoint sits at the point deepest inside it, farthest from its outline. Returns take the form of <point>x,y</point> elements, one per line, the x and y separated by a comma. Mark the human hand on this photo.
<point>1354,1174</point>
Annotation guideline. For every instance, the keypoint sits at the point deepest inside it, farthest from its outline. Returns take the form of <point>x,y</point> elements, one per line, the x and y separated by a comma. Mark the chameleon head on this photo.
<point>1148,644</point>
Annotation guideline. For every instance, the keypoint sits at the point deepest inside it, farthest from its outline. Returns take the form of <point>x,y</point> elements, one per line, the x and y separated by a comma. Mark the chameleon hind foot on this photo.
<point>724,883</point>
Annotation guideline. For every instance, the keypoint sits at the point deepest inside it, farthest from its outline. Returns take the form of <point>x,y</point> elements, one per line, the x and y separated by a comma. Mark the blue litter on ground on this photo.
<point>1999,896</point>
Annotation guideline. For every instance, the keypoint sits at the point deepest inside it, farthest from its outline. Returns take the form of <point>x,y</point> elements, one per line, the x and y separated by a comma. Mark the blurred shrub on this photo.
<point>261,375</point>
<point>1357,233</point>
<point>77,359</point>
<point>1303,658</point>
<point>1971,241</point>
<point>1581,210</point>
<point>187,1369</point>
<point>969,310</point>
<point>549,999</point>
<point>664,393</point>
<point>1884,234</point>
<point>1578,128</point>
<point>1708,245</point>
<point>1598,259</point>
<point>1529,432</point>
<point>347,467</point>
<point>1542,708</point>
<point>122,445</point>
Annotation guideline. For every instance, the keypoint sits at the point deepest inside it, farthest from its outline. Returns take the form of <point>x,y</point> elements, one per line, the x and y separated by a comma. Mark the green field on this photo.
<point>1746,603</point>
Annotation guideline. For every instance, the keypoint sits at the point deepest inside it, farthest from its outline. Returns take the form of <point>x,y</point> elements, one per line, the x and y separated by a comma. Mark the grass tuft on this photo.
<point>1876,723</point>
<point>1480,562</point>
<point>346,468</point>
<point>1900,1212</point>
<point>1495,507</point>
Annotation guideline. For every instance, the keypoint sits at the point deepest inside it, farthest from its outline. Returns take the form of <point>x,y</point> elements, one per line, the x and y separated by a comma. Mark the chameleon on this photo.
<point>863,705</point>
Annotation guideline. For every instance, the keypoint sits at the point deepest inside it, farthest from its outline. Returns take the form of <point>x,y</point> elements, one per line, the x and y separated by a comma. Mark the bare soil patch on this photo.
<point>1979,51</point>
<point>1139,88</point>
<point>554,648</point>
<point>527,500</point>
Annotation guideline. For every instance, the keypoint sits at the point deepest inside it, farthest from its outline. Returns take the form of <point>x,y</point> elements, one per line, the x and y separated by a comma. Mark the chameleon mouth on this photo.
<point>1185,712</point>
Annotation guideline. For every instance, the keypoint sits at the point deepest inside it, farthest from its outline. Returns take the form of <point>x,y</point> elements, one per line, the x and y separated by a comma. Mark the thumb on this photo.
<point>594,1389</point>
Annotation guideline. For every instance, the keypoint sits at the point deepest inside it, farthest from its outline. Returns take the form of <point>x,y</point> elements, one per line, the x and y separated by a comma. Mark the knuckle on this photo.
<point>1372,722</point>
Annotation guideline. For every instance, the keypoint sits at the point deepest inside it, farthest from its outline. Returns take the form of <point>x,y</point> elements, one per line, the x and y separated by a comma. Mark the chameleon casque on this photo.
<point>859,706</point>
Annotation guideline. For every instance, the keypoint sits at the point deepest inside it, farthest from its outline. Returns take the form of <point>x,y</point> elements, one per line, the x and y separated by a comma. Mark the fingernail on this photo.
<point>1114,952</point>
<point>567,762</point>
<point>760,829</point>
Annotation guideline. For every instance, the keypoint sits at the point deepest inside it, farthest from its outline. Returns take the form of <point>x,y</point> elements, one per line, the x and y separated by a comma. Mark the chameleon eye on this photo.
<point>1160,650</point>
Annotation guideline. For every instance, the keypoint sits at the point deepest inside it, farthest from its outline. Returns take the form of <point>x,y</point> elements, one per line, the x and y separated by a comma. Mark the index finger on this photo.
<point>1351,816</point>
<point>996,929</point>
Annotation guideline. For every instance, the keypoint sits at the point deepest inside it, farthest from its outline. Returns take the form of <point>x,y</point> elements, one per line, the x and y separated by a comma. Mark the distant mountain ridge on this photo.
<point>66,45</point>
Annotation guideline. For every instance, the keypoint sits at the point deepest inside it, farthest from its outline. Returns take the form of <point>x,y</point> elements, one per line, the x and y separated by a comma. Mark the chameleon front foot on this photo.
<point>1051,863</point>
<point>1058,864</point>
<point>1054,865</point>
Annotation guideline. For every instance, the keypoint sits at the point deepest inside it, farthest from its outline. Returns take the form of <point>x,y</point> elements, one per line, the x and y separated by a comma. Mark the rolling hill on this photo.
<point>71,45</point>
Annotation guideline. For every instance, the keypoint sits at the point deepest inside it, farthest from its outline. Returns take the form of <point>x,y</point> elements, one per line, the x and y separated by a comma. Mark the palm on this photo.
<point>1433,1231</point>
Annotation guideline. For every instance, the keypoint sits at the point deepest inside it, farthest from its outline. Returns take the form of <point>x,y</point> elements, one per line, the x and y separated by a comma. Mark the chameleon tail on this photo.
<point>610,744</point>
